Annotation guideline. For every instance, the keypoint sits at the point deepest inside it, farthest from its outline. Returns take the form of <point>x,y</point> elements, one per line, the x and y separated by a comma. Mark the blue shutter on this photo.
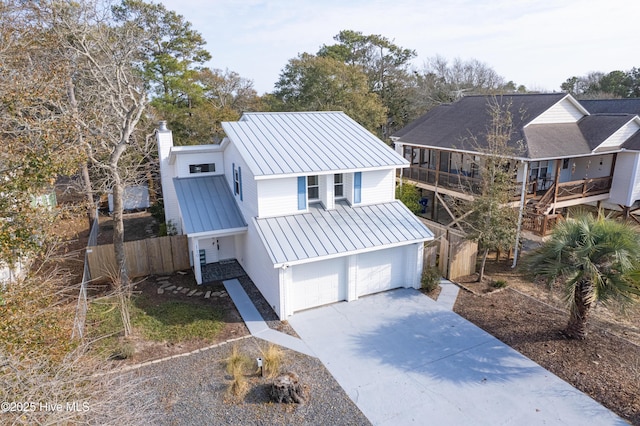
<point>302,193</point>
<point>240,181</point>
<point>357,187</point>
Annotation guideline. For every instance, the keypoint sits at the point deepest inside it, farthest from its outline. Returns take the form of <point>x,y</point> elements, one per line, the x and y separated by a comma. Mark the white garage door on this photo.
<point>318,283</point>
<point>380,270</point>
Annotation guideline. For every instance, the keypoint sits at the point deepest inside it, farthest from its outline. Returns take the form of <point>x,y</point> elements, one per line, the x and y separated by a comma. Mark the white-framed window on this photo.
<point>202,168</point>
<point>313,187</point>
<point>236,181</point>
<point>338,185</point>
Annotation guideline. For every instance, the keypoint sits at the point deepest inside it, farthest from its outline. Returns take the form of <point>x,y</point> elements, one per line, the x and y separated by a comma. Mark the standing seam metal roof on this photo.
<point>207,205</point>
<point>321,233</point>
<point>308,142</point>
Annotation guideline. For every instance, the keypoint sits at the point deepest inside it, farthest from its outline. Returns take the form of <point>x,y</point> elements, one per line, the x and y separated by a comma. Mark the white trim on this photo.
<point>330,172</point>
<point>348,253</point>
<point>221,233</point>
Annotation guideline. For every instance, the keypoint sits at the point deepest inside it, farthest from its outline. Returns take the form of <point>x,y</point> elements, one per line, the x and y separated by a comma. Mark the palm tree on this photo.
<point>596,258</point>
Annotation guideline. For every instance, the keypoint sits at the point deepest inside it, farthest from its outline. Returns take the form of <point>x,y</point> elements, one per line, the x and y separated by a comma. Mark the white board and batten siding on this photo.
<point>277,196</point>
<point>248,203</point>
<point>184,160</point>
<point>564,111</point>
<point>625,188</point>
<point>255,260</point>
<point>378,186</point>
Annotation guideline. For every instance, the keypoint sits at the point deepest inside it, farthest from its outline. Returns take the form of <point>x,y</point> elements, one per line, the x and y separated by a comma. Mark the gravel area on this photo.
<point>192,390</point>
<point>264,308</point>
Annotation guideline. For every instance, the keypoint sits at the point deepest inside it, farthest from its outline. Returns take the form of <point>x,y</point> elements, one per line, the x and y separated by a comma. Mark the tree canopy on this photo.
<point>615,84</point>
<point>595,259</point>
<point>386,66</point>
<point>315,83</point>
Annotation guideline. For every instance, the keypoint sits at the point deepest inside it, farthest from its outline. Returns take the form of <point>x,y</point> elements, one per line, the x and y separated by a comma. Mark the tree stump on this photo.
<point>287,388</point>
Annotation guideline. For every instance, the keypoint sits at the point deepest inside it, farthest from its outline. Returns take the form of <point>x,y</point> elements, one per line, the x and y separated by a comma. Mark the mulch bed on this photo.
<point>605,366</point>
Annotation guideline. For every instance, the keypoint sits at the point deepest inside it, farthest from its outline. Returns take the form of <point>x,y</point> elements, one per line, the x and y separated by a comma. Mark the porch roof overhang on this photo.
<point>207,207</point>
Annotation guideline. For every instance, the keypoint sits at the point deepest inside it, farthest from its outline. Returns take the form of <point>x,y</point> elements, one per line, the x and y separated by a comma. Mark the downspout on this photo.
<point>523,193</point>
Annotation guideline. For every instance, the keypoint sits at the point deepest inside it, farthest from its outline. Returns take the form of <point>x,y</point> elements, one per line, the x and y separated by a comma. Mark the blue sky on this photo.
<point>538,43</point>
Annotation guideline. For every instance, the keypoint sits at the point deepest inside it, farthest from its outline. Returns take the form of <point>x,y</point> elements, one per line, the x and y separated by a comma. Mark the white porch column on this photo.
<point>285,283</point>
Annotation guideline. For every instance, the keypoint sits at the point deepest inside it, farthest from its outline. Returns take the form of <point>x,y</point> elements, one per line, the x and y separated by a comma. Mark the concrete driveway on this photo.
<point>404,359</point>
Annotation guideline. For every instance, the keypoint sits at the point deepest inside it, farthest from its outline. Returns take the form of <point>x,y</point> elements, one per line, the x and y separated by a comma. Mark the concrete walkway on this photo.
<point>405,359</point>
<point>448,294</point>
<point>255,323</point>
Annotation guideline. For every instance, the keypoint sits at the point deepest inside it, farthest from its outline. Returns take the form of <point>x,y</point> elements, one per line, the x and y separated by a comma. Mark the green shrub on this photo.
<point>430,279</point>
<point>499,284</point>
<point>157,211</point>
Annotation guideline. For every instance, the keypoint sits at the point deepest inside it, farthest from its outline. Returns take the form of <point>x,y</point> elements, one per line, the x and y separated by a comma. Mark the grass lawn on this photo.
<point>170,321</point>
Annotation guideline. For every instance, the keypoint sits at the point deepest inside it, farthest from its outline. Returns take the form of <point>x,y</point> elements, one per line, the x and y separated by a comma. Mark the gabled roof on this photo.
<point>453,126</point>
<point>207,205</point>
<point>462,126</point>
<point>346,230</point>
<point>302,143</point>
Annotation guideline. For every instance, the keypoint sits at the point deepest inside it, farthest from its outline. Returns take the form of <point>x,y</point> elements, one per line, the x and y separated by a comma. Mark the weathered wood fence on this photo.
<point>162,255</point>
<point>450,251</point>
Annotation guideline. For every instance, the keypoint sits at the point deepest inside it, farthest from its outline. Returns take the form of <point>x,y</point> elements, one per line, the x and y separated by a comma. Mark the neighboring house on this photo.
<point>304,201</point>
<point>568,153</point>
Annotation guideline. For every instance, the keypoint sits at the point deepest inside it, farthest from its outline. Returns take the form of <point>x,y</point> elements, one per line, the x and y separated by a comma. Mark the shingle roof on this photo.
<point>345,230</point>
<point>612,106</point>
<point>207,205</point>
<point>308,142</point>
<point>452,126</point>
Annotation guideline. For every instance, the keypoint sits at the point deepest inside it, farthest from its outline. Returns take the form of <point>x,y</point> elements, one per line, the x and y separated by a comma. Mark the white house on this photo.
<point>304,201</point>
<point>568,152</point>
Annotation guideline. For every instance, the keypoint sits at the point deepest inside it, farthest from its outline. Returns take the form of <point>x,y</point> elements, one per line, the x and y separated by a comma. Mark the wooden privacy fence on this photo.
<point>162,255</point>
<point>450,251</point>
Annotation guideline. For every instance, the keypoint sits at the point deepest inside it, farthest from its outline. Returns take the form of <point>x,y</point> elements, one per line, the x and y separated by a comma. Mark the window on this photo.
<point>357,187</point>
<point>202,168</point>
<point>338,185</point>
<point>313,188</point>
<point>237,181</point>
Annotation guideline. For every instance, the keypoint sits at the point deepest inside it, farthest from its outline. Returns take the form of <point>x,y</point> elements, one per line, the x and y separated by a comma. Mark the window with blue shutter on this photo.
<point>236,180</point>
<point>357,187</point>
<point>302,193</point>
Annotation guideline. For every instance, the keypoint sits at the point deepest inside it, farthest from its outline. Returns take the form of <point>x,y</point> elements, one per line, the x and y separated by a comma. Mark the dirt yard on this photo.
<point>529,318</point>
<point>524,315</point>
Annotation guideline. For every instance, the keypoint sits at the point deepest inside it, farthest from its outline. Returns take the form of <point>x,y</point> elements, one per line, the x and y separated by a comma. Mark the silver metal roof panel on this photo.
<point>207,205</point>
<point>346,230</point>
<point>307,143</point>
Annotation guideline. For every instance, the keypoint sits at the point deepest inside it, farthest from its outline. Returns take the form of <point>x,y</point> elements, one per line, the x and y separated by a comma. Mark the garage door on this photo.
<point>380,270</point>
<point>318,283</point>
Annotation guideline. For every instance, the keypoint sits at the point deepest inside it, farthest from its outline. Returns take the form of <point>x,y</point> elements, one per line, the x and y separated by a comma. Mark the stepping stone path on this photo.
<point>165,286</point>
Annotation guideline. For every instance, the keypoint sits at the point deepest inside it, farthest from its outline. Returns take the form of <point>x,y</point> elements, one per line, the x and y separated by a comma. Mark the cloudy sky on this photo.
<point>538,43</point>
